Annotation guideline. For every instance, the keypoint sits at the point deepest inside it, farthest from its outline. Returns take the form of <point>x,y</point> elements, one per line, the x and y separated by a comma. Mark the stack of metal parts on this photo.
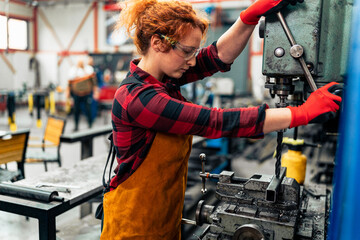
<point>250,209</point>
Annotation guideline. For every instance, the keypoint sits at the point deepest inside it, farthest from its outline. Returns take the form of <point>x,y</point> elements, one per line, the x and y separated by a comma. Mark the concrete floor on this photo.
<point>69,224</point>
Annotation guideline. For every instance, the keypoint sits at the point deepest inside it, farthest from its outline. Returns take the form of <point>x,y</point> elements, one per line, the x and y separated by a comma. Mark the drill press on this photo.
<point>302,51</point>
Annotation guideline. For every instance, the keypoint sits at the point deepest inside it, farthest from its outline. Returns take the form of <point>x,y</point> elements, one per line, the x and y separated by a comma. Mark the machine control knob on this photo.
<point>296,51</point>
<point>279,52</point>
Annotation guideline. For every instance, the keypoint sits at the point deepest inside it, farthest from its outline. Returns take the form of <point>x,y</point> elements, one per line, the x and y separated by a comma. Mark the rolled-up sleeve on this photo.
<point>207,64</point>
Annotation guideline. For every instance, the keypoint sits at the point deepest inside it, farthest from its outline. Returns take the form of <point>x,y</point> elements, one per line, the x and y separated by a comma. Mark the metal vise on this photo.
<point>245,211</point>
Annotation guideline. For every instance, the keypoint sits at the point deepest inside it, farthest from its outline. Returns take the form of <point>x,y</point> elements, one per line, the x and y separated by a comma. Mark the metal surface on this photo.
<point>335,40</point>
<point>322,28</point>
<point>304,29</point>
<point>85,175</point>
<point>297,53</point>
<point>86,138</point>
<point>274,185</point>
<point>279,139</point>
<point>279,52</point>
<point>282,87</point>
<point>188,221</point>
<point>249,231</point>
<point>29,193</point>
<point>203,213</point>
<point>286,28</point>
<point>243,213</point>
<point>203,159</point>
<point>56,187</point>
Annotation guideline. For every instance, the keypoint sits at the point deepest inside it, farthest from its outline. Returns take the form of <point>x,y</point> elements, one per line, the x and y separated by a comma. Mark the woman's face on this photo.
<point>178,60</point>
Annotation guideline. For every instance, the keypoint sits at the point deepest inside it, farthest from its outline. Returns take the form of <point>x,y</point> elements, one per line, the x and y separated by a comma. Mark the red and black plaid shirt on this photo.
<point>143,108</point>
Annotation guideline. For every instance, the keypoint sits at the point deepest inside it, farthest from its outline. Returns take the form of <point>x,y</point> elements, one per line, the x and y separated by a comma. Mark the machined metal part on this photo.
<point>274,185</point>
<point>203,159</point>
<point>282,87</point>
<point>203,212</point>
<point>295,50</point>
<point>188,221</point>
<point>286,28</point>
<point>249,231</point>
<point>56,187</point>
<point>279,52</point>
<point>209,175</point>
<point>279,140</point>
<point>244,213</point>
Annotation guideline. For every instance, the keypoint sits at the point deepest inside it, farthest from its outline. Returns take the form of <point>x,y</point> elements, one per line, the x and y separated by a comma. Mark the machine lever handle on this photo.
<point>308,75</point>
<point>202,157</point>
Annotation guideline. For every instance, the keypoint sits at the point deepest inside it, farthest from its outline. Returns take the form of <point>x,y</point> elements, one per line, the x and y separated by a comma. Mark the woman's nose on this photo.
<point>192,61</point>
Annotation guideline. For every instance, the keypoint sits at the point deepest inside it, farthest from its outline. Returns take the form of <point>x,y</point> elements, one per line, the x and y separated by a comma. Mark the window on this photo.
<point>2,32</point>
<point>18,33</point>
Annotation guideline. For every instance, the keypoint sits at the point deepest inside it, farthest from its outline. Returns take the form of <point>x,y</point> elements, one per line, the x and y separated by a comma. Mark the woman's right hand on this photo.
<point>260,8</point>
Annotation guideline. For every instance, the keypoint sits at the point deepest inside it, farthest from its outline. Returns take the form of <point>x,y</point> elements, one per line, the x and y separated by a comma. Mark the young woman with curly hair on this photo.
<point>153,123</point>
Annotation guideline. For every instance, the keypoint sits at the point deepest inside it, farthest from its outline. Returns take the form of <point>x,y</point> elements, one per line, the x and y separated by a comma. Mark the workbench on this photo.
<point>86,138</point>
<point>85,181</point>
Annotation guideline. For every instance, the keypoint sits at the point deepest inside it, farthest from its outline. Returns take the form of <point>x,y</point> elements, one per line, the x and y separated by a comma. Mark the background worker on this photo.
<point>153,123</point>
<point>83,89</point>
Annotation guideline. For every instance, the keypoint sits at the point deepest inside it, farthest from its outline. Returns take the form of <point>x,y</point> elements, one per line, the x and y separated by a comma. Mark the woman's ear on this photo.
<point>157,44</point>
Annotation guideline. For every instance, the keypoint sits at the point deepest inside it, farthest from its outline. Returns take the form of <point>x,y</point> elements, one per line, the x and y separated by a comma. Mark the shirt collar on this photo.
<point>146,77</point>
<point>141,74</point>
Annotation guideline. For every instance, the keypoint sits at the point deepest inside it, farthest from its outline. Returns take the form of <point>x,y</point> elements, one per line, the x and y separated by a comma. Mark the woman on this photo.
<point>153,124</point>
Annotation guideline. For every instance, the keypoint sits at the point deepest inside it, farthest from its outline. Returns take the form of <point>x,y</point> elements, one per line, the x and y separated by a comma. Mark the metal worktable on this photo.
<point>85,181</point>
<point>86,138</point>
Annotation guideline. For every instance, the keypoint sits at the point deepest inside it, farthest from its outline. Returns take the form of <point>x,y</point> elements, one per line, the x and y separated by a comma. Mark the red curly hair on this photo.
<point>148,17</point>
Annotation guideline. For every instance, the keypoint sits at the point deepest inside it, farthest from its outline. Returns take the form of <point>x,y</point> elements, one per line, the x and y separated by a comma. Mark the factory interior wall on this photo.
<point>65,20</point>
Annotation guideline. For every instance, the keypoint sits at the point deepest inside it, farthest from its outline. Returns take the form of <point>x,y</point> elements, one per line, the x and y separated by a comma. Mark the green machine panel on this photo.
<point>322,28</point>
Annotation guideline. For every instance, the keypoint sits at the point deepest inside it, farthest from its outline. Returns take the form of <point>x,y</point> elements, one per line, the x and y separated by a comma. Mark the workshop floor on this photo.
<point>69,225</point>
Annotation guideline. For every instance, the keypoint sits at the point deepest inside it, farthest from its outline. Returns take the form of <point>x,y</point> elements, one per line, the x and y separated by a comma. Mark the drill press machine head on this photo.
<point>313,43</point>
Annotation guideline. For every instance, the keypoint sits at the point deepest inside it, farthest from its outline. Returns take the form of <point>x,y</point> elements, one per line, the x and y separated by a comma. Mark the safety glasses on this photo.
<point>183,51</point>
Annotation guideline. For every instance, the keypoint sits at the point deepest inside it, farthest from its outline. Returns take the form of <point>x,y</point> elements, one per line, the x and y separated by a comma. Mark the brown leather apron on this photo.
<point>148,205</point>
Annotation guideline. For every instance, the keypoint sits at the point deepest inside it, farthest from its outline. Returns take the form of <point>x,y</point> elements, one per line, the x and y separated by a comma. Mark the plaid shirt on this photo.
<point>147,106</point>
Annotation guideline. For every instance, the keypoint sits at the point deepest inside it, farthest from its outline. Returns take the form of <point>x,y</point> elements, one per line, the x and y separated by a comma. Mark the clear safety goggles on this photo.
<point>183,51</point>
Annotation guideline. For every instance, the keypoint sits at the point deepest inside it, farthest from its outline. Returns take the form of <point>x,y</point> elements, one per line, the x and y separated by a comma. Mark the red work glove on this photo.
<point>319,107</point>
<point>260,8</point>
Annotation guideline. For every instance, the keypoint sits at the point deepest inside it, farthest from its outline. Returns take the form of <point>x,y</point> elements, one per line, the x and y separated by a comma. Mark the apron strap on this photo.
<point>99,214</point>
<point>112,151</point>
